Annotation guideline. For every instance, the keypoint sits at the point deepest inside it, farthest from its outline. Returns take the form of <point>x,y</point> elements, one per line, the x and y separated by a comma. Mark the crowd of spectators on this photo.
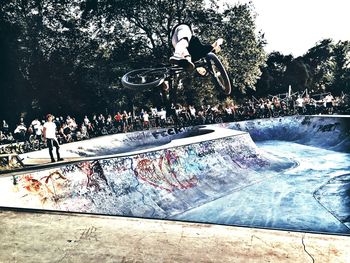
<point>69,129</point>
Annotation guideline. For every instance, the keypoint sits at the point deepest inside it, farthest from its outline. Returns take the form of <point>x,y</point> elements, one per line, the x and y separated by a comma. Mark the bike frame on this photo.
<point>153,77</point>
<point>172,70</point>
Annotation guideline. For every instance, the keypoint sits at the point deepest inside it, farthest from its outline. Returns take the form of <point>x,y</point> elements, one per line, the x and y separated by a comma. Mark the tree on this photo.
<point>67,57</point>
<point>273,78</point>
<point>245,54</point>
<point>329,66</point>
<point>297,75</point>
<point>341,81</point>
<point>321,64</point>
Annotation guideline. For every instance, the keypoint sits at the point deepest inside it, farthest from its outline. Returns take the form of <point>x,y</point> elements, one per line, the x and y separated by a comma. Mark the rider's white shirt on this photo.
<point>50,132</point>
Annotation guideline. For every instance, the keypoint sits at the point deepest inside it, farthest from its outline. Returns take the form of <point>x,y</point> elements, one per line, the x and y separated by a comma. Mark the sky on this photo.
<point>294,26</point>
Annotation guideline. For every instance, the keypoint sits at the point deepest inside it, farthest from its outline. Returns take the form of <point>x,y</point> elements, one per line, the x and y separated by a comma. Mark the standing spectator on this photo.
<point>162,116</point>
<point>291,104</point>
<point>49,132</point>
<point>86,121</point>
<point>276,104</point>
<point>307,104</point>
<point>267,108</point>
<point>329,103</point>
<point>5,127</point>
<point>118,120</point>
<point>141,114</point>
<point>94,125</point>
<point>101,120</point>
<point>109,122</point>
<point>130,121</point>
<point>155,116</point>
<point>37,128</point>
<point>192,112</point>
<point>125,121</point>
<point>299,103</point>
<point>313,105</point>
<point>154,112</point>
<point>87,124</point>
<point>145,120</point>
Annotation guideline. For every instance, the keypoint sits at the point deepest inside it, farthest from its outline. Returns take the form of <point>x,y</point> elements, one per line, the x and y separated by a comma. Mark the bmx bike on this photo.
<point>145,78</point>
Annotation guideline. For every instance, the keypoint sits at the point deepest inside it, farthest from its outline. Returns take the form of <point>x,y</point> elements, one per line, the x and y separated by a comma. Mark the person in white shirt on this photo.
<point>329,103</point>
<point>146,120</point>
<point>299,103</point>
<point>49,133</point>
<point>20,132</point>
<point>162,116</point>
<point>193,112</point>
<point>37,127</point>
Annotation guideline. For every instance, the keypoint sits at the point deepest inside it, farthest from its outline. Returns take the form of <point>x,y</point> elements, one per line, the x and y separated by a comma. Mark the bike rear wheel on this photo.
<point>144,78</point>
<point>219,73</point>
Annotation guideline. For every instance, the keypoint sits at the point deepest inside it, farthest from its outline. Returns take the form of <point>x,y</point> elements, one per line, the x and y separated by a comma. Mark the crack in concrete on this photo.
<point>182,235</point>
<point>254,236</point>
<point>302,241</point>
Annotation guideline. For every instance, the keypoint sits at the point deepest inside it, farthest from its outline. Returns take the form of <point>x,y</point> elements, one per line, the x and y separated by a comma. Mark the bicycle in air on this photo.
<point>146,78</point>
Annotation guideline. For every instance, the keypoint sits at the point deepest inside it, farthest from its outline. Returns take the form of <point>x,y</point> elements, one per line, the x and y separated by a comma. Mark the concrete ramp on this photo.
<point>155,183</point>
<point>329,132</point>
<point>212,174</point>
<point>118,143</point>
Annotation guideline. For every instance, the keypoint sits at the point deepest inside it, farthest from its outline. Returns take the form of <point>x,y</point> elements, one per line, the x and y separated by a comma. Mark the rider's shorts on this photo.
<point>181,31</point>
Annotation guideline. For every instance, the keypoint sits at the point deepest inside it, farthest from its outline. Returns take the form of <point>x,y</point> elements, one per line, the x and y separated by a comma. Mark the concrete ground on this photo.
<point>27,236</point>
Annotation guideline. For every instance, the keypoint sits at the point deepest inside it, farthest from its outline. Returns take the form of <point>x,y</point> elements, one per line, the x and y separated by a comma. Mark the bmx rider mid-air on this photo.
<point>189,54</point>
<point>188,48</point>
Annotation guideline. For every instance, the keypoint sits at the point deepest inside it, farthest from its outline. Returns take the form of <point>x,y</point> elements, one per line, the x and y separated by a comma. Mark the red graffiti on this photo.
<point>165,172</point>
<point>42,187</point>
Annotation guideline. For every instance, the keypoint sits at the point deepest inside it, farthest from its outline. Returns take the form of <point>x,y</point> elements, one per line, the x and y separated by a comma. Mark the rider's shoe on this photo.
<point>216,45</point>
<point>184,62</point>
<point>202,71</point>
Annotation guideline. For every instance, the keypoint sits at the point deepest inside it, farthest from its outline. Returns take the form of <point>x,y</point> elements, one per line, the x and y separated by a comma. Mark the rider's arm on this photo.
<point>197,50</point>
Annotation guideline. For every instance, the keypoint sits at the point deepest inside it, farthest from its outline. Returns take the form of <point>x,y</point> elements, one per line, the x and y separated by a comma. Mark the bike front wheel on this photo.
<point>219,73</point>
<point>144,78</point>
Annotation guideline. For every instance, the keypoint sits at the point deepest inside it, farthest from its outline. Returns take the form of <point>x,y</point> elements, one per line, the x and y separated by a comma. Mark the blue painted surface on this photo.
<point>286,200</point>
<point>294,176</point>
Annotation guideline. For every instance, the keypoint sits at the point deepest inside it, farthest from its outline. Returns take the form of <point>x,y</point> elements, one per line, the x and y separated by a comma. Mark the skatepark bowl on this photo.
<point>288,173</point>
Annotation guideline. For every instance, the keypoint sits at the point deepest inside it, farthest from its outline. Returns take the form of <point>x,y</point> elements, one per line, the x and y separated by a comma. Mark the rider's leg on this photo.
<point>181,48</point>
<point>182,32</point>
<point>180,40</point>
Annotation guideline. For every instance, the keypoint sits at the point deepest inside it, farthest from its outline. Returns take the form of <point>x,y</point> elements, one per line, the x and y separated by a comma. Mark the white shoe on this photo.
<point>184,62</point>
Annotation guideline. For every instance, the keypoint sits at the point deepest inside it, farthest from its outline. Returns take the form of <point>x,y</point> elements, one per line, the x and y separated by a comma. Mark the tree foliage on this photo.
<point>324,68</point>
<point>68,56</point>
